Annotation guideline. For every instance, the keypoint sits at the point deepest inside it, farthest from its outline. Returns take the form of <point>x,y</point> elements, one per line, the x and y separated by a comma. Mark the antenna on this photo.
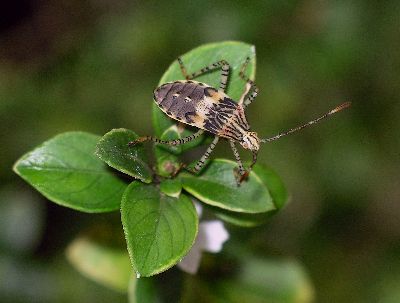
<point>326,115</point>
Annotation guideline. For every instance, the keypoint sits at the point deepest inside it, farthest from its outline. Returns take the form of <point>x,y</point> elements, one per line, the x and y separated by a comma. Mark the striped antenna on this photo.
<point>331,112</point>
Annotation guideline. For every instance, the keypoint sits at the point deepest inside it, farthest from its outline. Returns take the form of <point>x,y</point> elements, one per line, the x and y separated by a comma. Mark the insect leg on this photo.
<point>247,172</point>
<point>183,69</point>
<point>225,67</point>
<point>249,85</point>
<point>238,174</point>
<point>203,159</point>
<point>169,142</point>
<point>255,154</point>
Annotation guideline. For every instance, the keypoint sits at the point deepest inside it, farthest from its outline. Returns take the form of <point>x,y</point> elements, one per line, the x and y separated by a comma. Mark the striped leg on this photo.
<point>247,172</point>
<point>245,92</point>
<point>169,142</point>
<point>255,154</point>
<point>242,174</point>
<point>249,85</point>
<point>203,159</point>
<point>240,171</point>
<point>220,64</point>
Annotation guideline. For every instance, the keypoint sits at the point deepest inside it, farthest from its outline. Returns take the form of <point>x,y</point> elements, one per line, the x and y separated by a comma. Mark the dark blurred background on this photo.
<point>92,66</point>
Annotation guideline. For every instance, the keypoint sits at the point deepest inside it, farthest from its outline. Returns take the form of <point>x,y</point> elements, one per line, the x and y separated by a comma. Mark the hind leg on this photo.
<point>220,64</point>
<point>246,99</point>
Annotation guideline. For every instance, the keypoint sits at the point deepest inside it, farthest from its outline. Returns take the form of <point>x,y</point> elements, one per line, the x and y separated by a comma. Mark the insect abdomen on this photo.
<point>203,106</point>
<point>179,99</point>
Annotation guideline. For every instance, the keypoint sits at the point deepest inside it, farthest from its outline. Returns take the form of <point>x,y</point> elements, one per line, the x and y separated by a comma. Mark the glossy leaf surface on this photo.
<point>216,186</point>
<point>66,171</point>
<point>132,160</point>
<point>159,229</point>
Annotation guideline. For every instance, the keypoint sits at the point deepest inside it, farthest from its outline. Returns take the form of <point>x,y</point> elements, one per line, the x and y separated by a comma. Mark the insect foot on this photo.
<point>240,177</point>
<point>178,170</point>
<point>133,143</point>
<point>244,176</point>
<point>138,140</point>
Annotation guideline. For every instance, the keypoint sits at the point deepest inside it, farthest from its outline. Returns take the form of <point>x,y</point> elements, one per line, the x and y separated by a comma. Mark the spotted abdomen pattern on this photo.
<point>202,106</point>
<point>179,99</point>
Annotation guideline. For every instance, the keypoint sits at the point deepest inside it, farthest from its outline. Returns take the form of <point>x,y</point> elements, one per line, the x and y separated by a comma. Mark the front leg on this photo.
<point>240,171</point>
<point>247,172</point>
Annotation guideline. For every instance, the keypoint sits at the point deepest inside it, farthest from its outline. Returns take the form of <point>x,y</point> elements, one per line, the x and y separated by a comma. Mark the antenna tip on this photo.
<point>340,107</point>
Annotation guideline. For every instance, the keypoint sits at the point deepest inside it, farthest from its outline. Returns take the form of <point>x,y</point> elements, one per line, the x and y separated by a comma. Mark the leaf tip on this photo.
<point>15,167</point>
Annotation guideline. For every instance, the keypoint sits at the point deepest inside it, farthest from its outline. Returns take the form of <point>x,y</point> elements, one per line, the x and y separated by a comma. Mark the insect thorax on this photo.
<point>202,106</point>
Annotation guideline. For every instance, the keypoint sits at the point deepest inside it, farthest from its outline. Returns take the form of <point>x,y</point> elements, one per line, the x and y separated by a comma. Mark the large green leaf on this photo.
<point>235,53</point>
<point>159,229</point>
<point>104,264</point>
<point>114,150</point>
<point>66,171</point>
<point>217,186</point>
<point>277,191</point>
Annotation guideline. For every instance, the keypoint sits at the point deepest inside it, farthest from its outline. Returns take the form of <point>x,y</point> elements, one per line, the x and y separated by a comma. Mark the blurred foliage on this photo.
<point>96,255</point>
<point>92,66</point>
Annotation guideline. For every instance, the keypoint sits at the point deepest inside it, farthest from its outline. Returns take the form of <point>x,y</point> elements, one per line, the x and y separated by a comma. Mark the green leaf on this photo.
<point>277,191</point>
<point>274,184</point>
<point>106,265</point>
<point>171,187</point>
<point>114,150</point>
<point>235,53</point>
<point>159,230</point>
<point>217,186</point>
<point>66,171</point>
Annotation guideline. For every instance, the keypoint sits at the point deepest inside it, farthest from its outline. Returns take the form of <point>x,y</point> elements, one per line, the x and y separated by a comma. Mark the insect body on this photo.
<point>212,110</point>
<point>204,107</point>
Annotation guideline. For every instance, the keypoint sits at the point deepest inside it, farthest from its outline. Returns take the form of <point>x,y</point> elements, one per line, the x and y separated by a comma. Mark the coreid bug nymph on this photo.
<point>209,109</point>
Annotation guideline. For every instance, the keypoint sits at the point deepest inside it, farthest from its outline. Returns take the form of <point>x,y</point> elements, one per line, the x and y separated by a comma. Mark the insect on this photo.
<point>212,110</point>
